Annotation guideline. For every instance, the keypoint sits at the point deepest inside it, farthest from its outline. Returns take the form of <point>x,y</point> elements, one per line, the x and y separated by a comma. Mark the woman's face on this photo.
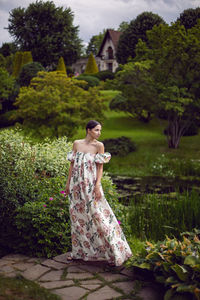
<point>95,132</point>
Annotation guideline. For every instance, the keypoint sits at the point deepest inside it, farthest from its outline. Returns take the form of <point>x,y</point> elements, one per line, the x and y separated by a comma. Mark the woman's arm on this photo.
<point>70,171</point>
<point>99,174</point>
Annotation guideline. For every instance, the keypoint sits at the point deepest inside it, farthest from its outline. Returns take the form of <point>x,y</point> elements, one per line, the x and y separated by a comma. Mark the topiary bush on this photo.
<point>29,71</point>
<point>120,146</point>
<point>91,81</point>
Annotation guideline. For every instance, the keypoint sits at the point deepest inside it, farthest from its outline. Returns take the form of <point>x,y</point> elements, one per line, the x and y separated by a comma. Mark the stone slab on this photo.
<point>79,275</point>
<point>90,281</point>
<point>7,269</point>
<point>62,258</point>
<point>126,287</point>
<point>72,293</point>
<point>91,286</point>
<point>53,264</point>
<point>75,269</point>
<point>35,272</point>
<point>15,257</point>
<point>127,272</point>
<point>56,284</point>
<point>4,262</point>
<point>22,266</point>
<point>92,269</point>
<point>113,277</point>
<point>52,276</point>
<point>104,293</point>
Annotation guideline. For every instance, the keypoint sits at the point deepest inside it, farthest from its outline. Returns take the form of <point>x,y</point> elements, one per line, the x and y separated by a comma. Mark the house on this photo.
<point>106,57</point>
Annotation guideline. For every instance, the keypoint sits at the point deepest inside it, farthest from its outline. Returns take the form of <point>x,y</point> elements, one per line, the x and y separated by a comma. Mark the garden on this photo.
<point>149,109</point>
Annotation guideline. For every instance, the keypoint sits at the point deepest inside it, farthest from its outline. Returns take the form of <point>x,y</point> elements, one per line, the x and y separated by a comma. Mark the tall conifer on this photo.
<point>91,67</point>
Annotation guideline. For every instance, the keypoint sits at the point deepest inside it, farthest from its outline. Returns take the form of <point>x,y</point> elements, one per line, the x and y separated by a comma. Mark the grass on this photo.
<point>149,139</point>
<point>22,289</point>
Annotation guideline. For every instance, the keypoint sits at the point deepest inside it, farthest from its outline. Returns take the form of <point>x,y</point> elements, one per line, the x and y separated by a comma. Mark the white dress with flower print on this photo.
<point>95,232</point>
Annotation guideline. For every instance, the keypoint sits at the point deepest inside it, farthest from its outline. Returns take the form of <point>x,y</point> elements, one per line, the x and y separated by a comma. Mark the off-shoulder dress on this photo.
<point>95,231</point>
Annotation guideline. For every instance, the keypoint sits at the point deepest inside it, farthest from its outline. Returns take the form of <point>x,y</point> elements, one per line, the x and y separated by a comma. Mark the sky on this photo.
<point>92,16</point>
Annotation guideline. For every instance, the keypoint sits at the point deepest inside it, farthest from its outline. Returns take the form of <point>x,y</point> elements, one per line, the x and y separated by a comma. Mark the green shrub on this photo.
<point>118,103</point>
<point>29,71</point>
<point>61,66</point>
<point>91,67</point>
<point>103,75</point>
<point>119,146</point>
<point>31,174</point>
<point>176,264</point>
<point>91,81</point>
<point>44,227</point>
<point>164,166</point>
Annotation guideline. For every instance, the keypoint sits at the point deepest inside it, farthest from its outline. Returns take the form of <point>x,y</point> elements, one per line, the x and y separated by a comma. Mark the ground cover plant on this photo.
<point>22,289</point>
<point>175,263</point>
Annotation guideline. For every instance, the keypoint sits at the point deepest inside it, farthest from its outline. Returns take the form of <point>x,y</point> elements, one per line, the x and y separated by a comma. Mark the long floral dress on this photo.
<point>95,232</point>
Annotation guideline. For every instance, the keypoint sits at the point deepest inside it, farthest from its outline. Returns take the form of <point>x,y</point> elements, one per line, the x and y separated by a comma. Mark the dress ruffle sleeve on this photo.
<point>71,156</point>
<point>102,158</point>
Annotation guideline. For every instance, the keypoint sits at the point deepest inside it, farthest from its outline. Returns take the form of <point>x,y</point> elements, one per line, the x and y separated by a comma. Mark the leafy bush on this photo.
<point>119,146</point>
<point>31,174</point>
<point>29,71</point>
<point>55,105</point>
<point>44,227</point>
<point>91,81</point>
<point>175,167</point>
<point>118,103</point>
<point>153,216</point>
<point>103,75</point>
<point>176,264</point>
<point>27,173</point>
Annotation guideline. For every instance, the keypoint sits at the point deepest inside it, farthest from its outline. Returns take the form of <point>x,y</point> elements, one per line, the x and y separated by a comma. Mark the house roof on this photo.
<point>114,35</point>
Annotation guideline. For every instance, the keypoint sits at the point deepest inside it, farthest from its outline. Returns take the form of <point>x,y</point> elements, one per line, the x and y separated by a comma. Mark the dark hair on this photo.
<point>91,124</point>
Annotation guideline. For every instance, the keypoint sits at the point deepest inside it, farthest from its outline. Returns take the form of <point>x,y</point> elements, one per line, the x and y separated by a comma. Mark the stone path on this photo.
<point>77,279</point>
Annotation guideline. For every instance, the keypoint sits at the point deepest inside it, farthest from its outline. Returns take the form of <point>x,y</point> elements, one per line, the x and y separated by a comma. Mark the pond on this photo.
<point>130,186</point>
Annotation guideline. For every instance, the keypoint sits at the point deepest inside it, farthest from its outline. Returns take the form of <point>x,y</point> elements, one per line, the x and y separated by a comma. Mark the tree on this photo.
<point>7,49</point>
<point>136,30</point>
<point>61,66</point>
<point>91,67</point>
<point>175,67</point>
<point>29,71</point>
<point>123,26</point>
<point>55,105</point>
<point>95,43</point>
<point>189,17</point>
<point>20,59</point>
<point>6,87</point>
<point>138,95</point>
<point>47,31</point>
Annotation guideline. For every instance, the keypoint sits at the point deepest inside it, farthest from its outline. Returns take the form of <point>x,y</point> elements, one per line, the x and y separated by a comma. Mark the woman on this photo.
<point>95,232</point>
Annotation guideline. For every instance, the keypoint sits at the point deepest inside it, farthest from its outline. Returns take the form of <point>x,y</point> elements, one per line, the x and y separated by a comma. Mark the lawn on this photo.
<point>149,139</point>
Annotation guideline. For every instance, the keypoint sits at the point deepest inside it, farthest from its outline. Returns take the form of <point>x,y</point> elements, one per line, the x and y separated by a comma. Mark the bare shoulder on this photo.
<point>100,147</point>
<point>76,143</point>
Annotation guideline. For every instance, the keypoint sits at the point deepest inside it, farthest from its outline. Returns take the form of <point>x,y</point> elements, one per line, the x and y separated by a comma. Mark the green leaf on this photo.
<point>145,266</point>
<point>168,294</point>
<point>191,260</point>
<point>181,272</point>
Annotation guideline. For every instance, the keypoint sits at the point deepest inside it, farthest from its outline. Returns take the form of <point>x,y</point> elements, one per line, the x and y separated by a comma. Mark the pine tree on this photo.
<point>61,66</point>
<point>91,67</point>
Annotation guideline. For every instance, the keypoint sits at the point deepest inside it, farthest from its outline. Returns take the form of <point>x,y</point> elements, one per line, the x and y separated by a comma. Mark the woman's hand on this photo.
<point>97,192</point>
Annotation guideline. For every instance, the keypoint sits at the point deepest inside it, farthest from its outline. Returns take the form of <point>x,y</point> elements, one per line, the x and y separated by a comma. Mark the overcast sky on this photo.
<point>93,16</point>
